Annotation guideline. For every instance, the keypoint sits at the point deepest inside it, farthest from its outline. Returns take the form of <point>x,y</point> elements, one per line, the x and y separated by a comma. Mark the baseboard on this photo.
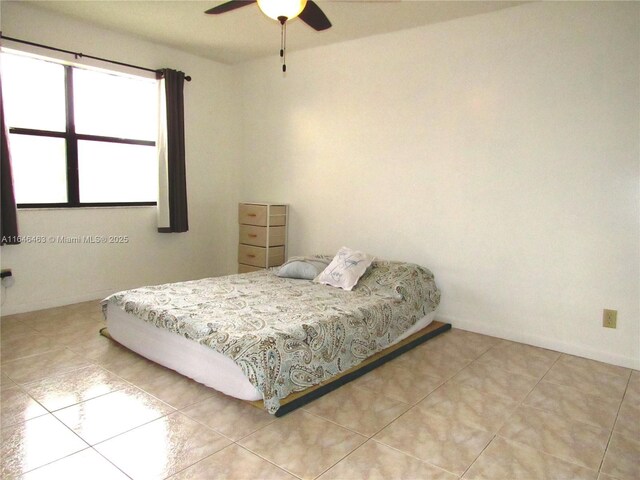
<point>543,342</point>
<point>53,302</point>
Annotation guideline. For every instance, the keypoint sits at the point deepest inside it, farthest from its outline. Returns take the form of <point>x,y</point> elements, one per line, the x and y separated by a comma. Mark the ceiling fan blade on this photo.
<point>228,6</point>
<point>314,17</point>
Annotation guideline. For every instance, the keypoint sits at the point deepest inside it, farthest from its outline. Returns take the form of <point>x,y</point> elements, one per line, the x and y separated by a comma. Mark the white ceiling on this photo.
<point>246,33</point>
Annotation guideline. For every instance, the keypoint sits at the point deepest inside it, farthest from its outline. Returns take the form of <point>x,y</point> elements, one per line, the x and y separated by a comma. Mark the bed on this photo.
<point>259,337</point>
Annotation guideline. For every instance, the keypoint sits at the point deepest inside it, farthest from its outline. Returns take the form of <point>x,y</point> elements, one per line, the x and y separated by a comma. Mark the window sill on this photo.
<point>88,207</point>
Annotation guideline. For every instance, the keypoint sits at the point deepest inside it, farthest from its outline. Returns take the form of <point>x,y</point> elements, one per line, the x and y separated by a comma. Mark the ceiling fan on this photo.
<point>282,11</point>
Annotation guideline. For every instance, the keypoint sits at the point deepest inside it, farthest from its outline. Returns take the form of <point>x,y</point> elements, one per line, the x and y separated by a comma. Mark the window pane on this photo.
<point>33,93</point>
<point>115,106</point>
<point>115,172</point>
<point>39,169</point>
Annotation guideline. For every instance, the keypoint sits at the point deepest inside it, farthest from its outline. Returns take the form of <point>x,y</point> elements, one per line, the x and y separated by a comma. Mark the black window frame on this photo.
<point>71,142</point>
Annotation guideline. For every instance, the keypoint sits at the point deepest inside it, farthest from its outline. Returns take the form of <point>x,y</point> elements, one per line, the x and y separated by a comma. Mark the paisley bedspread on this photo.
<point>285,334</point>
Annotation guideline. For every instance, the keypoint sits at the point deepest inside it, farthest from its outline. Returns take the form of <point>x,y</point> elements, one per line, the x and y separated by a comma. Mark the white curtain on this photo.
<point>164,221</point>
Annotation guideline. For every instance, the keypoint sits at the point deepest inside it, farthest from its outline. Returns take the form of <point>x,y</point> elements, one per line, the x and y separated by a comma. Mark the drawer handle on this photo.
<point>251,255</point>
<point>251,215</point>
<point>252,235</point>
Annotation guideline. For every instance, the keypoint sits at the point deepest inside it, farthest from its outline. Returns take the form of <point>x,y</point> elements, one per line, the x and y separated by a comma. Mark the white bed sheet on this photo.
<point>199,362</point>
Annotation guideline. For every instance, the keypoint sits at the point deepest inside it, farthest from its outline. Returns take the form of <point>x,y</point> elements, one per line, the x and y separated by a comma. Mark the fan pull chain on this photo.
<point>283,42</point>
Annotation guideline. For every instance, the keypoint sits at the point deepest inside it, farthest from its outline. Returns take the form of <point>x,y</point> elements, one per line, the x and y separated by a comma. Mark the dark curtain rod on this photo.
<point>80,55</point>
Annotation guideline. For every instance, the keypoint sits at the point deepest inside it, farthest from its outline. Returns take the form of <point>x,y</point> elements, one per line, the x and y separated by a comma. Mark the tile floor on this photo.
<point>75,405</point>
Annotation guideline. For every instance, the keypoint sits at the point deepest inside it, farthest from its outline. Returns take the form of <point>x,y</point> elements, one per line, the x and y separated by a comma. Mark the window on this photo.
<point>79,137</point>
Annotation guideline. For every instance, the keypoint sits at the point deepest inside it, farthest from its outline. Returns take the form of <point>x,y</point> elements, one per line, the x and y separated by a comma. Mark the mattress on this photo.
<point>191,359</point>
<point>284,335</point>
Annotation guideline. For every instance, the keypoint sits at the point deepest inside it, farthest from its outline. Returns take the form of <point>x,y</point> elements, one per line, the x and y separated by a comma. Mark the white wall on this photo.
<point>499,150</point>
<point>57,274</point>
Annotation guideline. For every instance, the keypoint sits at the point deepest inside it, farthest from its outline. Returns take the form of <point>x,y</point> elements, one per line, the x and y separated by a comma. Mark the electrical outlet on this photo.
<point>609,318</point>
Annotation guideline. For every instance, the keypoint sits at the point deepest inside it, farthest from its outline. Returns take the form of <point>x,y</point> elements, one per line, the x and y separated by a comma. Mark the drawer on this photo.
<point>254,235</point>
<point>242,268</point>
<point>253,214</point>
<point>257,256</point>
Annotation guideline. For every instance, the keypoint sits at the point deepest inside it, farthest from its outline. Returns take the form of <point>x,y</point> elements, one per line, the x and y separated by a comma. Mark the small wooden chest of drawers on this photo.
<point>263,236</point>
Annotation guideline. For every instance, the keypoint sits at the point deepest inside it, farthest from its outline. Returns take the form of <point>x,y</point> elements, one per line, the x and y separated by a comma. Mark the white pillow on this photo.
<point>345,269</point>
<point>305,268</point>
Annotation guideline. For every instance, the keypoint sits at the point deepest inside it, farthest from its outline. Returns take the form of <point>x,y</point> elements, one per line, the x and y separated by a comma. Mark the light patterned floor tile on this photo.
<point>94,348</point>
<point>496,381</point>
<point>169,386</point>
<point>31,444</point>
<point>506,460</point>
<point>103,417</point>
<point>16,406</point>
<point>162,447</point>
<point>128,365</point>
<point>228,416</point>
<point>466,344</point>
<point>66,389</point>
<point>12,328</point>
<point>357,409</point>
<point>589,376</point>
<point>114,355</point>
<point>77,336</point>
<point>25,346</point>
<point>556,435</point>
<point>86,464</point>
<point>374,461</point>
<point>604,476</point>
<point>233,462</point>
<point>628,421</point>
<point>66,318</point>
<point>623,458</point>
<point>303,444</point>
<point>97,348</point>
<point>399,383</point>
<point>6,382</point>
<point>470,406</point>
<point>520,359</point>
<point>36,367</point>
<point>433,359</point>
<point>438,440</point>
<point>572,403</point>
<point>632,394</point>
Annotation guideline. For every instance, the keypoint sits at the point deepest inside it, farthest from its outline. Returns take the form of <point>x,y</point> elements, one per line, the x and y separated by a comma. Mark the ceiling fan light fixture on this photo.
<point>282,8</point>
